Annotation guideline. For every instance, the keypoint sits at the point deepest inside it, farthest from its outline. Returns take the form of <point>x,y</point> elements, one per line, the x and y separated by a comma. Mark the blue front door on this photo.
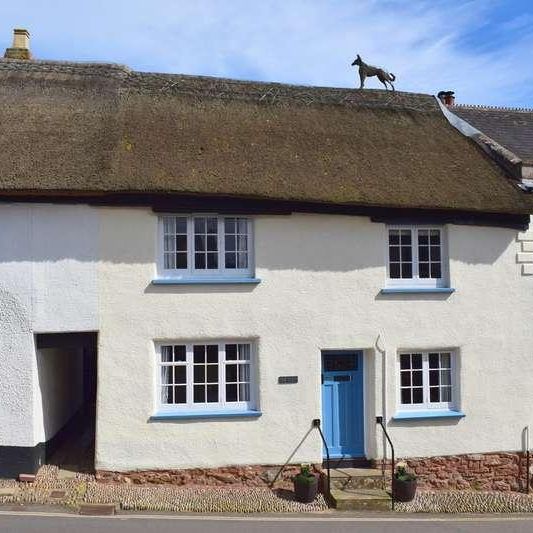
<point>342,402</point>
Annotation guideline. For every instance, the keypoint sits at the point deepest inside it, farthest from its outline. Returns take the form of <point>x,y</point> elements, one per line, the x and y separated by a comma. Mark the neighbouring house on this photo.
<point>197,268</point>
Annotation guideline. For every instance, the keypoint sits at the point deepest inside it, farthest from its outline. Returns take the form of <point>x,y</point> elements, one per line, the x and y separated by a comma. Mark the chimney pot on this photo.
<point>21,45</point>
<point>446,97</point>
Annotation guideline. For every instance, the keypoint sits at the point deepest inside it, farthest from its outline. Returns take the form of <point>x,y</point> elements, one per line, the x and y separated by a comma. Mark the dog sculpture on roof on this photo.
<point>366,70</point>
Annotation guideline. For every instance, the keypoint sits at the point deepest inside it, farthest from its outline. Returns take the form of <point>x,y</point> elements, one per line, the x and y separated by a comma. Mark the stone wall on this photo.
<point>249,476</point>
<point>502,471</point>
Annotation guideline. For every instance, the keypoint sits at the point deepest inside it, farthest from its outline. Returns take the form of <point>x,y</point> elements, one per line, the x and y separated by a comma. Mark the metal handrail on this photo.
<point>379,420</point>
<point>316,424</point>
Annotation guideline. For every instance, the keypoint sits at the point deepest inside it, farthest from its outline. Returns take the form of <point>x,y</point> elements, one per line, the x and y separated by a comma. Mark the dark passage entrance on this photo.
<point>66,364</point>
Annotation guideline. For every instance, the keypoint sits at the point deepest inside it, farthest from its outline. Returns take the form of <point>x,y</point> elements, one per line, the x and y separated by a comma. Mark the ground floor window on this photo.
<point>427,380</point>
<point>205,376</point>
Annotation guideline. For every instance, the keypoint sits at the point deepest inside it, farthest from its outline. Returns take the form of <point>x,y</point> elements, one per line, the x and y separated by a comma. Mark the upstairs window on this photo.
<point>416,257</point>
<point>205,246</point>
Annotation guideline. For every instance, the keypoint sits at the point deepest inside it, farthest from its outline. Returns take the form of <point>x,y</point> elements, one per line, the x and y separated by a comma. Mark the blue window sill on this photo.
<point>417,290</point>
<point>206,281</point>
<point>421,415</point>
<point>190,415</point>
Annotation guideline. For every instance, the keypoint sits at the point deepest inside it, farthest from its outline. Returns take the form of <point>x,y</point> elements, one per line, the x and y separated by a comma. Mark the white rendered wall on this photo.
<point>48,283</point>
<point>321,280</point>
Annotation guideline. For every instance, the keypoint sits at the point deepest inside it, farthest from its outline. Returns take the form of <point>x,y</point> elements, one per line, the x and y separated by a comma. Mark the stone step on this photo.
<point>356,478</point>
<point>361,500</point>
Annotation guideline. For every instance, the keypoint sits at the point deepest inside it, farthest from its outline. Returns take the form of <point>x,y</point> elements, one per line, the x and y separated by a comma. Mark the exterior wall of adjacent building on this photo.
<point>86,269</point>
<point>47,284</point>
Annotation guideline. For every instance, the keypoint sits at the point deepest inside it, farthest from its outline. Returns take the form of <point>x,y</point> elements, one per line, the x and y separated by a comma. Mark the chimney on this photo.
<point>21,45</point>
<point>447,97</point>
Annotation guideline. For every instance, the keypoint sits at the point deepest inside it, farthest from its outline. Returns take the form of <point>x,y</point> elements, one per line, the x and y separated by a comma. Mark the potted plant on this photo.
<point>403,483</point>
<point>305,485</point>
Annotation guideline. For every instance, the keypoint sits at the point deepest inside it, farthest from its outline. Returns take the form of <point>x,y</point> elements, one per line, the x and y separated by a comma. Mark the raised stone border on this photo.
<point>497,471</point>
<point>247,476</point>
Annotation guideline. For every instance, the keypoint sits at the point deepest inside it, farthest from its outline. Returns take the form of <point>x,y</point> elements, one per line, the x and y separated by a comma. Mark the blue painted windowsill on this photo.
<point>189,415</point>
<point>417,290</point>
<point>421,415</point>
<point>206,281</point>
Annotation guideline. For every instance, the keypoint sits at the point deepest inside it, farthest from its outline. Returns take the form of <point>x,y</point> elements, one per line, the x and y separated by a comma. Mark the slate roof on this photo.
<point>512,128</point>
<point>78,128</point>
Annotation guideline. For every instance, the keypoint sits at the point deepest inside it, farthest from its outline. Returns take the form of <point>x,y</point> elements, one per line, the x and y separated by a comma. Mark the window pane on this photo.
<point>423,253</point>
<point>433,360</point>
<point>416,360</point>
<point>199,225</point>
<point>212,353</point>
<point>180,394</point>
<point>199,373</point>
<point>242,260</point>
<point>181,243</point>
<point>212,393</point>
<point>394,270</point>
<point>406,396</point>
<point>436,271</point>
<point>423,270</point>
<point>180,374</point>
<point>244,372</point>
<point>418,395</point>
<point>446,394</point>
<point>405,361</point>
<point>244,352</point>
<point>199,260</point>
<point>231,393</point>
<point>199,353</point>
<point>199,394</point>
<point>244,392</point>
<point>212,242</point>
<point>199,243</point>
<point>212,373</point>
<point>445,360</point>
<point>433,377</point>
<point>407,270</point>
<point>166,354</point>
<point>406,253</point>
<point>231,373</point>
<point>417,378</point>
<point>166,375</point>
<point>445,377</point>
<point>181,260</point>
<point>212,261</point>
<point>212,225</point>
<point>231,351</point>
<point>231,260</point>
<point>434,237</point>
<point>434,394</point>
<point>229,225</point>
<point>230,243</point>
<point>167,395</point>
<point>394,236</point>
<point>405,236</point>
<point>394,253</point>
<point>405,378</point>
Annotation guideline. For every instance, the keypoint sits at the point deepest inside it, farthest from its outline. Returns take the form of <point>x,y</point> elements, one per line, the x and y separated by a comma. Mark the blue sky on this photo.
<point>480,48</point>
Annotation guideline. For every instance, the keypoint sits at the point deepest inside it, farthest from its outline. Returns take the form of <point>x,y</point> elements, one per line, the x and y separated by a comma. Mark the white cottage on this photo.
<point>193,270</point>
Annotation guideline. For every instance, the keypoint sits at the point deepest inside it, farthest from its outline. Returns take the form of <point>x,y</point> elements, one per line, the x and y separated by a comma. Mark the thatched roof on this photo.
<point>83,128</point>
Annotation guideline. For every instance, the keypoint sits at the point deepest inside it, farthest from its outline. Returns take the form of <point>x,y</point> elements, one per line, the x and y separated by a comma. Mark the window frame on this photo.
<point>415,281</point>
<point>222,405</point>
<point>426,405</point>
<point>192,273</point>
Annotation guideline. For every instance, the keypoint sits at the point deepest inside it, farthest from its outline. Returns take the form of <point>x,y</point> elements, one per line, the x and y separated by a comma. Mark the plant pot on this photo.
<point>403,490</point>
<point>305,491</point>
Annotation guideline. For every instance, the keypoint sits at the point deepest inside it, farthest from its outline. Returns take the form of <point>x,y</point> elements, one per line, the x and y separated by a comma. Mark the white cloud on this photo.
<point>296,41</point>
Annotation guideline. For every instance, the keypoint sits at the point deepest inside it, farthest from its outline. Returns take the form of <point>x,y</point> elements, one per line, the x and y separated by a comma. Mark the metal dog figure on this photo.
<point>366,70</point>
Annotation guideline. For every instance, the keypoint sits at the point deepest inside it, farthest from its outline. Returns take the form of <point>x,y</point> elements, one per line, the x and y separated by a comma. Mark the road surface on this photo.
<point>34,522</point>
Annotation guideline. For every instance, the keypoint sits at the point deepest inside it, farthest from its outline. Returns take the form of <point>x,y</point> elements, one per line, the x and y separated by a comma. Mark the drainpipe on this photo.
<point>383,353</point>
